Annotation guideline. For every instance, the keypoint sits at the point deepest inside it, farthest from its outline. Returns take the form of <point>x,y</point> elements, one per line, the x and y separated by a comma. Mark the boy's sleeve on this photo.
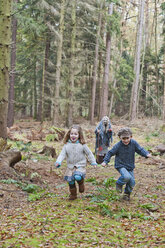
<point>140,150</point>
<point>62,155</point>
<point>89,155</point>
<point>111,153</point>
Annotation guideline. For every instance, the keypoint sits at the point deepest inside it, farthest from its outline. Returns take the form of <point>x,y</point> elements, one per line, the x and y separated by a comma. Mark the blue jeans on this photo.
<point>127,177</point>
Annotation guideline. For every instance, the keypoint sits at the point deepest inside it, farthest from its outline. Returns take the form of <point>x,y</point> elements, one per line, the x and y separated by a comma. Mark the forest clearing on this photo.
<point>99,64</point>
<point>40,214</point>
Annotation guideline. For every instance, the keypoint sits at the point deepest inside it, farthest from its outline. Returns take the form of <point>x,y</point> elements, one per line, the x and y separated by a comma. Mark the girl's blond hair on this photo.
<point>81,135</point>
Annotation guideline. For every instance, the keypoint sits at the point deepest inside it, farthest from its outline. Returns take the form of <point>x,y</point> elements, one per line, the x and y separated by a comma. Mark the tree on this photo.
<point>96,65</point>
<point>58,65</point>
<point>163,55</point>
<point>104,102</point>
<point>134,97</point>
<point>72,66</point>
<point>10,117</point>
<point>43,85</point>
<point>5,41</point>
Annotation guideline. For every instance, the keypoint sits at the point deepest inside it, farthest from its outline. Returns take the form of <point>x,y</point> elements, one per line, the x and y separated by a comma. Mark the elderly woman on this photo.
<point>103,133</point>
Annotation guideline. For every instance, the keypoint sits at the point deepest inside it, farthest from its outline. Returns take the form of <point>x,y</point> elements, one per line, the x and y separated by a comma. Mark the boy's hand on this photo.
<point>149,156</point>
<point>57,165</point>
<point>103,164</point>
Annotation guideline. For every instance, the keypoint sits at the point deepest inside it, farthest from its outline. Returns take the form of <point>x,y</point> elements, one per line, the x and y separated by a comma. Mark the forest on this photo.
<point>87,59</point>
<point>73,62</point>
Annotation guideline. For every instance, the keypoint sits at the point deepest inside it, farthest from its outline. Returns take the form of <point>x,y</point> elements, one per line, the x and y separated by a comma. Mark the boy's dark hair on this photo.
<point>81,135</point>
<point>125,132</point>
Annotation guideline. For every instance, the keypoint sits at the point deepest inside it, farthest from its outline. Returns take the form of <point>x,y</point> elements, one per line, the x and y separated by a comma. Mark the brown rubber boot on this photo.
<point>73,192</point>
<point>81,186</point>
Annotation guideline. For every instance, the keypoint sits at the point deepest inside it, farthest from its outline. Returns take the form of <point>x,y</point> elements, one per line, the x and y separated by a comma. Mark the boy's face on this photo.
<point>126,140</point>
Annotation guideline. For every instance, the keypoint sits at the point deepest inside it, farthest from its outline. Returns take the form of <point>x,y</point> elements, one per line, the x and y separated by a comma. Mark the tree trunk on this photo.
<point>72,66</point>
<point>5,41</point>
<point>58,66</point>
<point>156,54</point>
<point>112,96</point>
<point>34,90</point>
<point>95,68</point>
<point>43,87</point>
<point>145,69</point>
<point>10,117</point>
<point>134,97</point>
<point>118,56</point>
<point>104,107</point>
<point>164,92</point>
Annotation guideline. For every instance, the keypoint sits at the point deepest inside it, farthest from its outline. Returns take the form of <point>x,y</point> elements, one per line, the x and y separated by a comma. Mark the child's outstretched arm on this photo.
<point>110,153</point>
<point>90,155</point>
<point>61,157</point>
<point>141,151</point>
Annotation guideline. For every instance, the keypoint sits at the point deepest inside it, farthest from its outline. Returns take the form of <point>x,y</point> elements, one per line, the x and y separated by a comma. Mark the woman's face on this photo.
<point>74,135</point>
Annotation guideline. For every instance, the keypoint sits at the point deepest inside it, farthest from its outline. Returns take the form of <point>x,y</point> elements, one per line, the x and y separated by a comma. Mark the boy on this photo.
<point>124,152</point>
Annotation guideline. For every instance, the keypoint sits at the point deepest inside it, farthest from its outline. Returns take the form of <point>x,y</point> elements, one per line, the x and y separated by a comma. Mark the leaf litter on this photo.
<point>99,217</point>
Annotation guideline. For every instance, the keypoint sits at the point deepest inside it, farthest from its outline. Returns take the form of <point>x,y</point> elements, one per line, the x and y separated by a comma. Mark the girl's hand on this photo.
<point>57,165</point>
<point>94,165</point>
<point>103,164</point>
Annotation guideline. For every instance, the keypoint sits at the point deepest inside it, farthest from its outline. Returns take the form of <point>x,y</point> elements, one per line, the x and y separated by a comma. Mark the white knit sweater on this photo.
<point>76,155</point>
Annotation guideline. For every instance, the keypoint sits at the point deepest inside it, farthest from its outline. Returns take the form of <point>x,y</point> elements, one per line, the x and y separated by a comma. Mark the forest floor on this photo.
<point>34,206</point>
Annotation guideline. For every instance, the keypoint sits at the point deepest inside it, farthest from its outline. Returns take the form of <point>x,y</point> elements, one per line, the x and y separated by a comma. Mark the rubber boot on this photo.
<point>73,192</point>
<point>81,185</point>
<point>126,196</point>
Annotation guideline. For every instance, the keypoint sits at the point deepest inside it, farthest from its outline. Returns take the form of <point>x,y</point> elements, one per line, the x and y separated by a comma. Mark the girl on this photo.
<point>75,152</point>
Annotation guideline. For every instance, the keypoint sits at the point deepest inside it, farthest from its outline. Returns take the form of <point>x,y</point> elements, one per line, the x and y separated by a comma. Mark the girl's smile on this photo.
<point>74,135</point>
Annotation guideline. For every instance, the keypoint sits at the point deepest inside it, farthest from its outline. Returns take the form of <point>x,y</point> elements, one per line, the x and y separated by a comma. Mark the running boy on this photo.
<point>124,152</point>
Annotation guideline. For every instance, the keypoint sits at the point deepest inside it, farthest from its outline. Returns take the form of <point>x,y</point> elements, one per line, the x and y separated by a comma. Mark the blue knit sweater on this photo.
<point>125,154</point>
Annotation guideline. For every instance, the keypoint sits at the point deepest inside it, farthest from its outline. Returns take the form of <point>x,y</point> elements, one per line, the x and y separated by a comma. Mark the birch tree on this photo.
<point>5,41</point>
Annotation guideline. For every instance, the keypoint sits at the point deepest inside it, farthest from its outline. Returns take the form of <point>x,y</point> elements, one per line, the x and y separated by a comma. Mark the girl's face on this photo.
<point>126,140</point>
<point>74,135</point>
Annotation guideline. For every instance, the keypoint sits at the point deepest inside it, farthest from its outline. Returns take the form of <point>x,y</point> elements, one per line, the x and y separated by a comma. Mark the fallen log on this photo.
<point>48,151</point>
<point>7,161</point>
<point>10,157</point>
<point>161,148</point>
